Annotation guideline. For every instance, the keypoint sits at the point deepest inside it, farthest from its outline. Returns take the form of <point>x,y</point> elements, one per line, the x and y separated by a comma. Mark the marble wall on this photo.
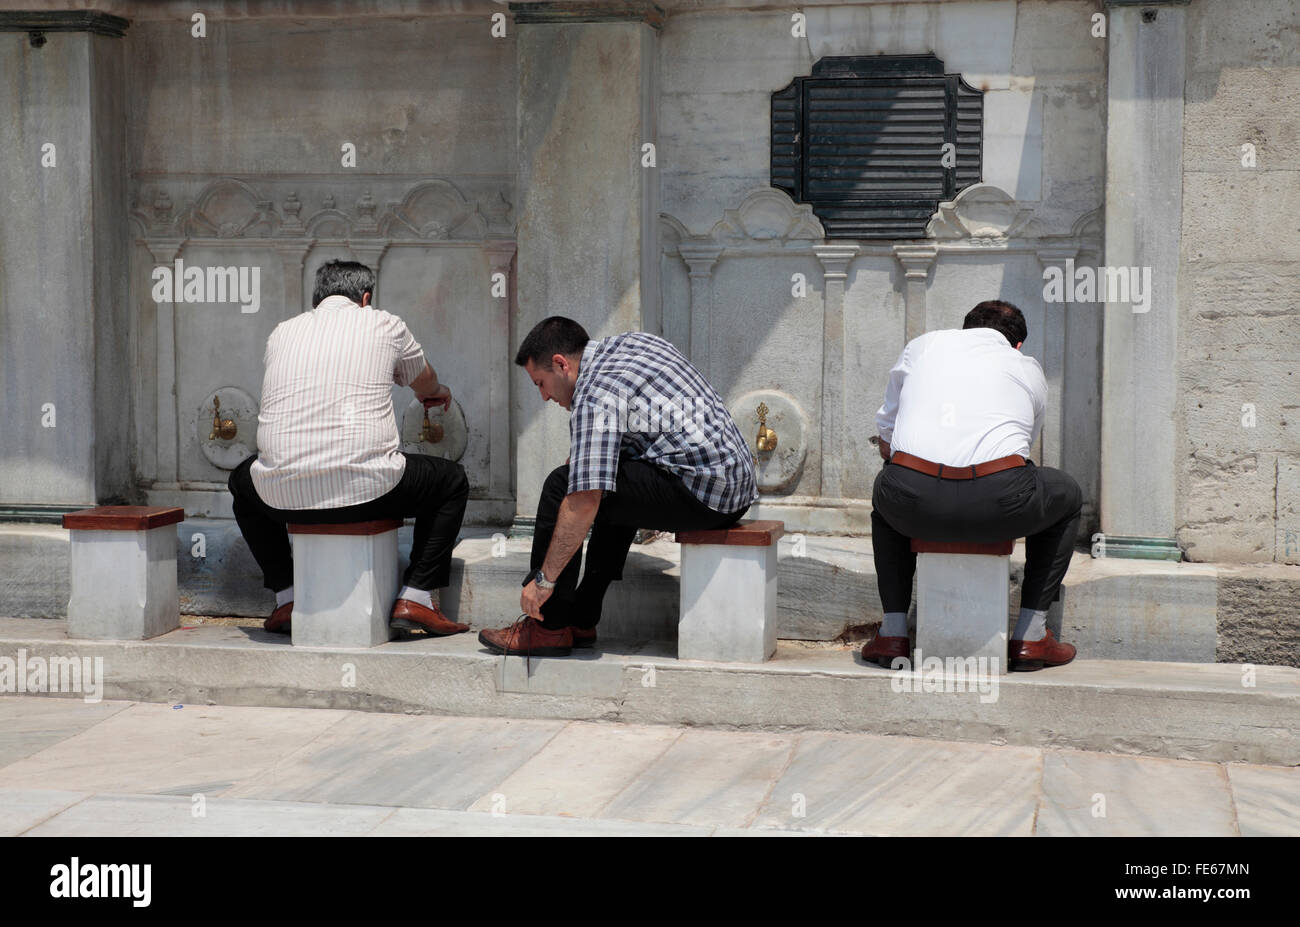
<point>228,150</point>
<point>282,143</point>
<point>1043,79</point>
<point>1238,475</point>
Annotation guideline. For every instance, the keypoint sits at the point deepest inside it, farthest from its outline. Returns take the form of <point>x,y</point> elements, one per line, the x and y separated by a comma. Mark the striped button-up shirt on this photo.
<point>326,433</point>
<point>637,397</point>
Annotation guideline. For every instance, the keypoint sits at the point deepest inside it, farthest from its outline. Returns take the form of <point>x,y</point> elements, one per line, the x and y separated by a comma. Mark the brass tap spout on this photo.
<point>223,428</point>
<point>766,440</point>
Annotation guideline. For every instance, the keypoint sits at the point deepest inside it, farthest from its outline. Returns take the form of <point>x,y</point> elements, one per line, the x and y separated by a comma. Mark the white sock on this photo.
<point>425,597</point>
<point>894,625</point>
<point>1031,625</point>
<point>284,595</point>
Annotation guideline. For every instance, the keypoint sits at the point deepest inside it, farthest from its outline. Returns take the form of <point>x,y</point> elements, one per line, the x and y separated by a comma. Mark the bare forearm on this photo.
<point>426,384</point>
<point>577,512</point>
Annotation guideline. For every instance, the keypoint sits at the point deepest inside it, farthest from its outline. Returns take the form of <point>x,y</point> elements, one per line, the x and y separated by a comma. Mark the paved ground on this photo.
<point>122,768</point>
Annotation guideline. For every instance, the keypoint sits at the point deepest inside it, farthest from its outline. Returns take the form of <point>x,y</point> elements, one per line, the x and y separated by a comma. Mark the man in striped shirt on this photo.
<point>328,444</point>
<point>651,445</point>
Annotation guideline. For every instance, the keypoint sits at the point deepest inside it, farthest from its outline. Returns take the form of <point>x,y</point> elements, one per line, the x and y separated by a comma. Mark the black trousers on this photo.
<point>432,490</point>
<point>1038,504</point>
<point>647,497</point>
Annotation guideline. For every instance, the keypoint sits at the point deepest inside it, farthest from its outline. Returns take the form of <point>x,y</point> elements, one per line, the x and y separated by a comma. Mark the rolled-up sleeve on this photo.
<point>595,437</point>
<point>410,356</point>
<point>888,411</point>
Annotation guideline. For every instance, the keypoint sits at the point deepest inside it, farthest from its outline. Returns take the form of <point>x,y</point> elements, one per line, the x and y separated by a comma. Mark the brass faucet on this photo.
<point>431,432</point>
<point>766,440</point>
<point>223,428</point>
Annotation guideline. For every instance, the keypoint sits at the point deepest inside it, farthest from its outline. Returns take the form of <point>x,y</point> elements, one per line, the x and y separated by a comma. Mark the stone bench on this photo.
<point>962,597</point>
<point>728,593</point>
<point>345,581</point>
<point>123,572</point>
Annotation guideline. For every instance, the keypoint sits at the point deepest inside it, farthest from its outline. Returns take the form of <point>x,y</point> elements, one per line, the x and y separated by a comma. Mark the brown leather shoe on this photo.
<point>526,637</point>
<point>883,650</point>
<point>412,616</point>
<point>1027,656</point>
<point>584,637</point>
<point>278,623</point>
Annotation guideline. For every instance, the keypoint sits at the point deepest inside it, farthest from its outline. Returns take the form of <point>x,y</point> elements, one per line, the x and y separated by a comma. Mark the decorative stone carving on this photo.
<point>768,214</point>
<point>434,209</point>
<point>229,208</point>
<point>291,207</point>
<point>366,223</point>
<point>496,210</point>
<point>227,442</point>
<point>671,232</point>
<point>981,212</point>
<point>1089,229</point>
<point>779,469</point>
<point>329,223</point>
<point>162,211</point>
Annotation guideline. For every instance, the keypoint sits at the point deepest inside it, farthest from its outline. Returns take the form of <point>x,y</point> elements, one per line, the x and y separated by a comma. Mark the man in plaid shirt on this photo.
<point>651,445</point>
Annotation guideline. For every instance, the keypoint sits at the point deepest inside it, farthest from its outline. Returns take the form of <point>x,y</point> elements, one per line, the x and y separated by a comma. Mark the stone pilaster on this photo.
<point>1055,353</point>
<point>700,258</point>
<point>835,260</point>
<point>588,193</point>
<point>65,344</point>
<point>164,252</point>
<point>1144,176</point>
<point>916,261</point>
<point>501,260</point>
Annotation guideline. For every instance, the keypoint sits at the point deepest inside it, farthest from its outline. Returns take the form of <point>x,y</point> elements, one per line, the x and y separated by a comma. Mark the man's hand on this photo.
<point>577,512</point>
<point>442,397</point>
<point>532,599</point>
<point>884,449</point>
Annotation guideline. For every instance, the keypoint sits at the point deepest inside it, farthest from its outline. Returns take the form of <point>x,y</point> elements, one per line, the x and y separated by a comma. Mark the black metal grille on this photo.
<point>861,141</point>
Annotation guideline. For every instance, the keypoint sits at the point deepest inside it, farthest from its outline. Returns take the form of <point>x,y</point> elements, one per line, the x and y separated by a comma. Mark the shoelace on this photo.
<point>516,630</point>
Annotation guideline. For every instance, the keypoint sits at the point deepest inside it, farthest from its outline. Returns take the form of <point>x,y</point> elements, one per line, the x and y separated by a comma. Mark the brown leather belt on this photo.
<point>946,472</point>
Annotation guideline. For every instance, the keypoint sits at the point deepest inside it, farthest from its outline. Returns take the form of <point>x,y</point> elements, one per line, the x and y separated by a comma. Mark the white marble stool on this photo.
<point>962,596</point>
<point>728,593</point>
<point>123,572</point>
<point>345,581</point>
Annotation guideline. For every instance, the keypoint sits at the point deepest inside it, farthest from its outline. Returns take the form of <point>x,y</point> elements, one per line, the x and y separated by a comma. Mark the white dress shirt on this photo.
<point>326,433</point>
<point>963,397</point>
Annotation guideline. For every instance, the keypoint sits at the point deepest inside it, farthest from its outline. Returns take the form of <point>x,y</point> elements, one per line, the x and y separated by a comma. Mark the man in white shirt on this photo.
<point>960,413</point>
<point>328,444</point>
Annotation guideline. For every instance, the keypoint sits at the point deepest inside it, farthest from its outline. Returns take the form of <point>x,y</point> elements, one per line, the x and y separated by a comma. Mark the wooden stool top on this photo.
<point>997,549</point>
<point>123,518</point>
<point>354,529</point>
<point>742,534</point>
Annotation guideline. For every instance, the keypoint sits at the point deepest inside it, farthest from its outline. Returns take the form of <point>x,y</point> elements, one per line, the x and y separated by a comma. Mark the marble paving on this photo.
<point>68,768</point>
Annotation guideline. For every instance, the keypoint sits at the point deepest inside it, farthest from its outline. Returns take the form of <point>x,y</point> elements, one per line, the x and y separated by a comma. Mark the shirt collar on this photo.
<point>336,301</point>
<point>584,367</point>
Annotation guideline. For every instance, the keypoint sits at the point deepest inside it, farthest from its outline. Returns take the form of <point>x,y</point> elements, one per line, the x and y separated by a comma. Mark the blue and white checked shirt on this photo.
<point>637,396</point>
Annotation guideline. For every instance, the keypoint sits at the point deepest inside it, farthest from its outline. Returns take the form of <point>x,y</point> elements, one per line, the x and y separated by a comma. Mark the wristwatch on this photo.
<point>537,576</point>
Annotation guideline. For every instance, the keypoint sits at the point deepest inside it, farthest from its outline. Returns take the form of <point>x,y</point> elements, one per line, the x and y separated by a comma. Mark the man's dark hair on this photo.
<point>343,278</point>
<point>555,335</point>
<point>999,316</point>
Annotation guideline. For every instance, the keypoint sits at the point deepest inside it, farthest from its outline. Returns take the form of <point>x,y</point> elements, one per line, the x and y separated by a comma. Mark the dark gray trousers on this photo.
<point>1039,504</point>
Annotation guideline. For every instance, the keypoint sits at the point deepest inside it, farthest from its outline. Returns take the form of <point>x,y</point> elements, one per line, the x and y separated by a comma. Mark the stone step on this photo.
<point>1217,712</point>
<point>1111,609</point>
